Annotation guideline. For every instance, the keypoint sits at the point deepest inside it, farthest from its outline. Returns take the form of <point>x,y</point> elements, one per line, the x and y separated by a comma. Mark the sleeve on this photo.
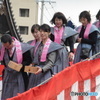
<point>50,61</point>
<point>70,41</point>
<point>92,38</point>
<point>27,59</point>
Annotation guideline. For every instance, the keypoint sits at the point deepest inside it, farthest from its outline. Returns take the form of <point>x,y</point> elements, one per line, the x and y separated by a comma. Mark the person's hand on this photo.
<point>71,56</point>
<point>30,65</point>
<point>79,39</point>
<point>39,70</point>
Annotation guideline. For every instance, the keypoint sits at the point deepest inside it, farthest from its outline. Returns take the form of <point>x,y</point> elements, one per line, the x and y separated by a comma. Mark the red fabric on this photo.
<point>81,89</point>
<point>67,92</point>
<point>93,85</point>
<point>63,81</point>
<point>1,69</point>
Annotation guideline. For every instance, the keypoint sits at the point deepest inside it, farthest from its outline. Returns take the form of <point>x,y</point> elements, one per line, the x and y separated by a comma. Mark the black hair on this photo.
<point>59,15</point>
<point>45,28</point>
<point>6,38</point>
<point>98,15</point>
<point>35,26</point>
<point>85,14</point>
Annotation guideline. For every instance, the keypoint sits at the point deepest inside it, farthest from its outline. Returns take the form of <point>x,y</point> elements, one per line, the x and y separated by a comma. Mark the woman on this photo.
<point>50,58</point>
<point>87,38</point>
<point>36,34</point>
<point>97,23</point>
<point>62,34</point>
<point>35,30</point>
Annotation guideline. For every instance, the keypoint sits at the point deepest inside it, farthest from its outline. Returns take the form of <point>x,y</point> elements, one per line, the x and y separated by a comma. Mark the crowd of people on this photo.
<point>47,52</point>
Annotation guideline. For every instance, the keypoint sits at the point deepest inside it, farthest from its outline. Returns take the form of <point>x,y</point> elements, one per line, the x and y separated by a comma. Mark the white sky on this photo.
<point>70,8</point>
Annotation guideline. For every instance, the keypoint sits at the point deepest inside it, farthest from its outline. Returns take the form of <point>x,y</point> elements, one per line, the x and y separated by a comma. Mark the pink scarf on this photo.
<point>87,30</point>
<point>86,34</point>
<point>45,50</point>
<point>58,34</point>
<point>33,42</point>
<point>2,51</point>
<point>18,51</point>
<point>36,47</point>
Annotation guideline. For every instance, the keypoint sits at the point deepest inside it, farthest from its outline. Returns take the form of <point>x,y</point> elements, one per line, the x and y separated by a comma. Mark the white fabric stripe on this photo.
<point>74,89</point>
<point>98,87</point>
<point>60,96</point>
<point>0,89</point>
<point>86,89</point>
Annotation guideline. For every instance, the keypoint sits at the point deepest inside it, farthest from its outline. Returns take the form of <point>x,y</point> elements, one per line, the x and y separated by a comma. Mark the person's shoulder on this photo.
<point>68,28</point>
<point>29,42</point>
<point>94,28</point>
<point>71,30</point>
<point>26,44</point>
<point>26,47</point>
<point>55,45</point>
<point>78,27</point>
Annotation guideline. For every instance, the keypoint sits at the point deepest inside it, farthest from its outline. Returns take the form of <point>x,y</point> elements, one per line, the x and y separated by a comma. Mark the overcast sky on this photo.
<point>70,8</point>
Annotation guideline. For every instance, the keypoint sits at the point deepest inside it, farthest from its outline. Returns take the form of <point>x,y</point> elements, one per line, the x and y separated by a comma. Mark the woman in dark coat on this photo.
<point>35,30</point>
<point>87,38</point>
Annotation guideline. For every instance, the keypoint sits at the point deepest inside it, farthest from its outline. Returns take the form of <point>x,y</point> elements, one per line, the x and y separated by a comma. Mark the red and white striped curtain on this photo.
<point>80,77</point>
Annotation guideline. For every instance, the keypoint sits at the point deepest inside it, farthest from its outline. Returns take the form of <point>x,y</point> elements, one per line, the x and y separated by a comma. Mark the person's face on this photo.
<point>84,21</point>
<point>44,35</point>
<point>58,22</point>
<point>36,34</point>
<point>8,45</point>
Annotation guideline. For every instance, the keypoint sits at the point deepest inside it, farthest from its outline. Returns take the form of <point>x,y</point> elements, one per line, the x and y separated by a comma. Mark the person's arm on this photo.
<point>27,59</point>
<point>92,38</point>
<point>70,42</point>
<point>50,61</point>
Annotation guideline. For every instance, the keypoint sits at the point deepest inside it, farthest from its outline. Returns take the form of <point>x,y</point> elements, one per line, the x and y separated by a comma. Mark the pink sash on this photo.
<point>18,50</point>
<point>45,50</point>
<point>87,30</point>
<point>36,47</point>
<point>2,51</point>
<point>33,42</point>
<point>58,34</point>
